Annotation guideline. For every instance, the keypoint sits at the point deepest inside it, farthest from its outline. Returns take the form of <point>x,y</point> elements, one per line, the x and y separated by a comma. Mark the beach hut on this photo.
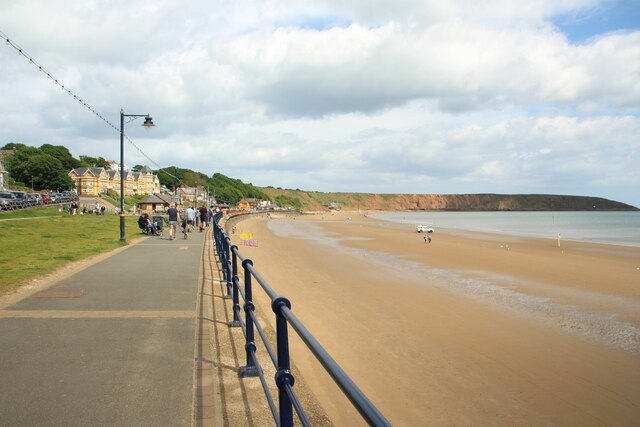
<point>154,203</point>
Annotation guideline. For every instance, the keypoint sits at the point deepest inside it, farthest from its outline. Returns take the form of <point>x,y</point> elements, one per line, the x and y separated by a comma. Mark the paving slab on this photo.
<point>110,345</point>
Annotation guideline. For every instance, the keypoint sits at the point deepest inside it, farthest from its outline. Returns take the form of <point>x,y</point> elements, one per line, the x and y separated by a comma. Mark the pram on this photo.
<point>158,221</point>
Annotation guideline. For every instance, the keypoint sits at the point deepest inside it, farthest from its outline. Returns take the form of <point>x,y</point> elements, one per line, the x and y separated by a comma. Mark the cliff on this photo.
<point>309,200</point>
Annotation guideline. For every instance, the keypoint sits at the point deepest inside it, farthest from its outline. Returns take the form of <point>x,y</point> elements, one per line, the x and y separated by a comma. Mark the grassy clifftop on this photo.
<point>312,200</point>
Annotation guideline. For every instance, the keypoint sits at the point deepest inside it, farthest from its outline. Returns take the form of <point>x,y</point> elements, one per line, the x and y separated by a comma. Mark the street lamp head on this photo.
<point>148,123</point>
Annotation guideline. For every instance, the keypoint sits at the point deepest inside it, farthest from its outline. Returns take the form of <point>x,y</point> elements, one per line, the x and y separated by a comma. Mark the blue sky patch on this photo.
<point>319,23</point>
<point>614,15</point>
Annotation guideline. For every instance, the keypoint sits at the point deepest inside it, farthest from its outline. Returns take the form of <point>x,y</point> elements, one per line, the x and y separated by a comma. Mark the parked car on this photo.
<point>35,198</point>
<point>21,198</point>
<point>69,196</point>
<point>5,205</point>
<point>10,199</point>
<point>26,198</point>
<point>45,198</point>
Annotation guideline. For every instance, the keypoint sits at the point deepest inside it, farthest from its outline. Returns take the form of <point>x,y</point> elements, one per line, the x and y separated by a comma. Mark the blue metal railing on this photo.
<point>228,256</point>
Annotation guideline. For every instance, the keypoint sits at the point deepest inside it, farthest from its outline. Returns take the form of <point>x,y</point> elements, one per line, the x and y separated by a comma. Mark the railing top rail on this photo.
<point>272,294</point>
<point>236,251</point>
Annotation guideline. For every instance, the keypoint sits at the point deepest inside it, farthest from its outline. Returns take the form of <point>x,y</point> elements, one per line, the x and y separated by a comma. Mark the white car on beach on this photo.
<point>423,229</point>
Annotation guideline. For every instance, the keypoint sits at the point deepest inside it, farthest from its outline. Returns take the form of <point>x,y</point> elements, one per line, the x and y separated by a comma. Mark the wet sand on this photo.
<point>471,329</point>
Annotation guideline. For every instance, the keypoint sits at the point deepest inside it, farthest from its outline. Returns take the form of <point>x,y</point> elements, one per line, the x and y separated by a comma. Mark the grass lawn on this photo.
<point>39,241</point>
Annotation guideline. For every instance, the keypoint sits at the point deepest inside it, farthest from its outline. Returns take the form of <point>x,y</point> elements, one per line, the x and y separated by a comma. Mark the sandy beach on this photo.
<point>471,329</point>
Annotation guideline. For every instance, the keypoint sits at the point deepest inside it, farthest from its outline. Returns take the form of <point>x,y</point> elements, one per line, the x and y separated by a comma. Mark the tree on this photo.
<point>13,146</point>
<point>93,162</point>
<point>230,190</point>
<point>166,176</point>
<point>195,179</point>
<point>17,162</point>
<point>47,172</point>
<point>61,153</point>
<point>228,195</point>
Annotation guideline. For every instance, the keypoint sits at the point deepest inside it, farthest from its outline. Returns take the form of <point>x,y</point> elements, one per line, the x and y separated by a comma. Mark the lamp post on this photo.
<point>148,123</point>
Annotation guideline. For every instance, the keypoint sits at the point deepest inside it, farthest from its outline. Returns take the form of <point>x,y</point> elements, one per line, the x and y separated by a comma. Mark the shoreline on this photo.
<point>478,330</point>
<point>541,224</point>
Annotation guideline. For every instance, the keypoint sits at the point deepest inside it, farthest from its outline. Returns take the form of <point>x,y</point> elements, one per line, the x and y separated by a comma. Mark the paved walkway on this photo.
<point>118,343</point>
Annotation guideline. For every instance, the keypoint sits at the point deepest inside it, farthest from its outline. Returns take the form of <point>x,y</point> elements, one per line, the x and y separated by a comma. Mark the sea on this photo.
<point>609,227</point>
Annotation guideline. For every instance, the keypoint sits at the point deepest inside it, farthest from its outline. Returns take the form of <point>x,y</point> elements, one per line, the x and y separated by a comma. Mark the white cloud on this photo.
<point>403,96</point>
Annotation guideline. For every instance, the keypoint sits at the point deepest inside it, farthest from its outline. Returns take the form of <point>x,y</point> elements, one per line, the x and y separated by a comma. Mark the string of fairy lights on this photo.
<point>81,101</point>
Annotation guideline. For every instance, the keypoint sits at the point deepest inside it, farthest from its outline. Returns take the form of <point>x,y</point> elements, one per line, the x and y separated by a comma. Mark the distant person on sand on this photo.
<point>429,237</point>
<point>425,238</point>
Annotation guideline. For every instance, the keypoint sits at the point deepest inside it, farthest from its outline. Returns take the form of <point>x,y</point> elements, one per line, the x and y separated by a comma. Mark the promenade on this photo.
<point>125,341</point>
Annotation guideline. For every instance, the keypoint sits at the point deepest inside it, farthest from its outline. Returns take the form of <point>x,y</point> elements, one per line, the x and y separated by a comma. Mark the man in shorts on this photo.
<point>174,217</point>
<point>203,217</point>
<point>191,219</point>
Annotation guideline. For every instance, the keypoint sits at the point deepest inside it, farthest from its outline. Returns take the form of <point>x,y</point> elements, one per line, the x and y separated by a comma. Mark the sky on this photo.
<point>376,96</point>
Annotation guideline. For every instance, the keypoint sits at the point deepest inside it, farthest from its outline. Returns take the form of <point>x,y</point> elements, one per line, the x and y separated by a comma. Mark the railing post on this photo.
<point>220,248</point>
<point>236,281</point>
<point>284,376</point>
<point>227,267</point>
<point>250,370</point>
<point>222,254</point>
<point>216,237</point>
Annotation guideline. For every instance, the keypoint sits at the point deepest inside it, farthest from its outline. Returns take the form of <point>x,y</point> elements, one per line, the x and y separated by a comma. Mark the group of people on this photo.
<point>73,209</point>
<point>148,226</point>
<point>200,217</point>
<point>192,217</point>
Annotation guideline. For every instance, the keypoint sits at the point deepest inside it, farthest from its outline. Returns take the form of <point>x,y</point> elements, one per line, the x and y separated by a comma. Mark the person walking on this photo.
<point>191,219</point>
<point>203,217</point>
<point>174,217</point>
<point>209,216</point>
